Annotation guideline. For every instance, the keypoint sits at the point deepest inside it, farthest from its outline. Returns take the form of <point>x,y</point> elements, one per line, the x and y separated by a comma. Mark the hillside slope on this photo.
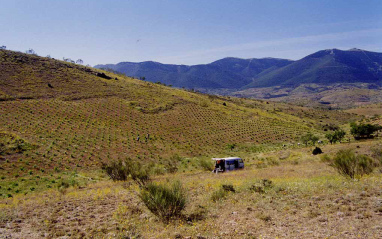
<point>338,95</point>
<point>76,117</point>
<point>32,77</point>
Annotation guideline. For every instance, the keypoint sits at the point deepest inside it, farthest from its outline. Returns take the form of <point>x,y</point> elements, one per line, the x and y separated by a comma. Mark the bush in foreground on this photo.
<point>166,202</point>
<point>349,164</point>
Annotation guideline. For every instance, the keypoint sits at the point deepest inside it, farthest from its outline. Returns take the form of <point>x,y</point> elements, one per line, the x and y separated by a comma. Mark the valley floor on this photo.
<point>307,199</point>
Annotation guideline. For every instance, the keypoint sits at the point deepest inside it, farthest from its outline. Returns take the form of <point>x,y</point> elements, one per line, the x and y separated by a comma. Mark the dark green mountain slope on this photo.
<point>326,67</point>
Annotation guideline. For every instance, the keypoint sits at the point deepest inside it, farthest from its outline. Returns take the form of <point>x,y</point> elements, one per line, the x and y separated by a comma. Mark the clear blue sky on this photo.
<point>188,31</point>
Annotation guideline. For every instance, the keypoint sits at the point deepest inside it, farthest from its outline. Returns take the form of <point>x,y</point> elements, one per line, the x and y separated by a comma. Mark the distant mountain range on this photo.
<point>326,67</point>
<point>327,78</point>
<point>231,73</point>
<point>323,67</point>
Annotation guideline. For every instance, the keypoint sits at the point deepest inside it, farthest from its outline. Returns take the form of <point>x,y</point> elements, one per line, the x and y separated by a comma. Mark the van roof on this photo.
<point>229,158</point>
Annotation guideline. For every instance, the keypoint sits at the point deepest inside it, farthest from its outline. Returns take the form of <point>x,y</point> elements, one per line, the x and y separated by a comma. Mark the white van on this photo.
<point>228,164</point>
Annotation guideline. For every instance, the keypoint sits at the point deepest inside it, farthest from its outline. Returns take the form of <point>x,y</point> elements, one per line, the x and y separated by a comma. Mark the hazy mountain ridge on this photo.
<point>327,67</point>
<point>323,67</point>
<point>231,73</point>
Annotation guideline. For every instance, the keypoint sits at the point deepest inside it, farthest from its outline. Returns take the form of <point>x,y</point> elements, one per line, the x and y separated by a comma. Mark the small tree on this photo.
<point>331,138</point>
<point>3,47</point>
<point>31,51</point>
<point>337,136</point>
<point>309,137</point>
<point>361,130</point>
<point>340,134</point>
<point>79,61</point>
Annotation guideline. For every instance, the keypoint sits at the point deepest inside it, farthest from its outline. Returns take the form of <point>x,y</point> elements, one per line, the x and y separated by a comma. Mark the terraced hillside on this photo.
<point>75,117</point>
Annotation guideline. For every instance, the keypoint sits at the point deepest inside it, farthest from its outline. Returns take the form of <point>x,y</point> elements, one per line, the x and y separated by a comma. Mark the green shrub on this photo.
<point>349,164</point>
<point>166,202</point>
<point>261,186</point>
<point>199,213</point>
<point>272,161</point>
<point>257,188</point>
<point>336,136</point>
<point>325,158</point>
<point>267,183</point>
<point>121,170</point>
<point>219,195</point>
<point>63,185</point>
<point>116,170</point>
<point>157,169</point>
<point>377,153</point>
<point>206,164</point>
<point>231,146</point>
<point>137,172</point>
<point>228,188</point>
<point>362,130</point>
<point>366,165</point>
<point>309,137</point>
<point>172,164</point>
<point>222,192</point>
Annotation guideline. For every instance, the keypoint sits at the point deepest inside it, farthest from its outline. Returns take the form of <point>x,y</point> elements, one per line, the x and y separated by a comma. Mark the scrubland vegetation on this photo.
<point>91,157</point>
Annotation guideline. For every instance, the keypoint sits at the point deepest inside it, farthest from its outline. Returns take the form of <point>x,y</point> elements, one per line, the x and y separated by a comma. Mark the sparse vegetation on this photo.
<point>11,144</point>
